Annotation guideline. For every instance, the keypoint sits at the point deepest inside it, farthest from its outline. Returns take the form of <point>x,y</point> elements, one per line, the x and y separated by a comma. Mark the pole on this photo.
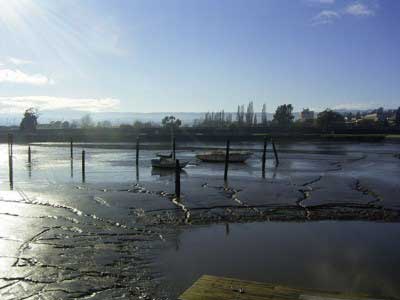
<point>173,148</point>
<point>83,165</point>
<point>29,154</point>
<point>264,156</point>
<point>177,179</point>
<point>226,160</point>
<point>72,148</point>
<point>137,151</point>
<point>275,153</point>
<point>10,144</point>
<point>10,160</point>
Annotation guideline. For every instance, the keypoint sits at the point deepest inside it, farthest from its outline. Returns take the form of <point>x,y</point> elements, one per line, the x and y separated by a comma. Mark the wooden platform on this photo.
<point>220,288</point>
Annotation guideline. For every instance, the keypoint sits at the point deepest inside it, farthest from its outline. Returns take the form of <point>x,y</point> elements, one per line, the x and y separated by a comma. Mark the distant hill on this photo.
<point>117,118</point>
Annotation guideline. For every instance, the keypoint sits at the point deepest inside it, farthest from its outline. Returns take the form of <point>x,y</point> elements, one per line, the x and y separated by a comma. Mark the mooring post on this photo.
<point>10,160</point>
<point>10,144</point>
<point>226,160</point>
<point>264,156</point>
<point>10,171</point>
<point>275,153</point>
<point>137,152</point>
<point>177,179</point>
<point>71,146</point>
<point>29,154</point>
<point>173,148</point>
<point>83,165</point>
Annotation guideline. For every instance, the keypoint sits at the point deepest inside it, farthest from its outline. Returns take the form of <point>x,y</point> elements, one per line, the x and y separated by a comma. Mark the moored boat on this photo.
<point>219,156</point>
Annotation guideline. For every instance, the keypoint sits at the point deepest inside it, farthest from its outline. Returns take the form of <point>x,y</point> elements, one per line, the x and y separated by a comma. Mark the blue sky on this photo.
<point>198,55</point>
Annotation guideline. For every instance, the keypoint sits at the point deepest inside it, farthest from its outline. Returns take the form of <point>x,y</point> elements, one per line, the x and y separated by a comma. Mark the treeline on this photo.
<point>242,118</point>
<point>283,118</point>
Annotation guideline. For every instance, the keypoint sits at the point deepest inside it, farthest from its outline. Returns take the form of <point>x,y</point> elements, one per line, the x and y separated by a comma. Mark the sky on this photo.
<point>198,55</point>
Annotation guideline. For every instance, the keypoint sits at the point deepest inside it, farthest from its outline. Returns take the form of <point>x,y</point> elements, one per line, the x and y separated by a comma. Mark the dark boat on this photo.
<point>219,156</point>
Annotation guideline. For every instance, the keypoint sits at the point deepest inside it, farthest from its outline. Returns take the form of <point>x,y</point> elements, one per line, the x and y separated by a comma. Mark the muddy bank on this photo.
<point>61,238</point>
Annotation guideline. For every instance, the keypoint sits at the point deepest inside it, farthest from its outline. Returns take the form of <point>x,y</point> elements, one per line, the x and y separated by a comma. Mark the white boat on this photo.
<point>219,156</point>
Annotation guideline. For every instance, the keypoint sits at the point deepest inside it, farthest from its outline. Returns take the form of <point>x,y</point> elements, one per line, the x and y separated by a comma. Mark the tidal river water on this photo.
<point>326,218</point>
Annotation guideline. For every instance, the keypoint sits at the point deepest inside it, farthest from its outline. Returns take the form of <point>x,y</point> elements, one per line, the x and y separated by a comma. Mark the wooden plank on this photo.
<point>220,288</point>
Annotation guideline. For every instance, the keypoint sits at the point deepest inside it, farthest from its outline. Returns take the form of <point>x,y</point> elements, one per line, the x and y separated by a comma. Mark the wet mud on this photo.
<point>64,239</point>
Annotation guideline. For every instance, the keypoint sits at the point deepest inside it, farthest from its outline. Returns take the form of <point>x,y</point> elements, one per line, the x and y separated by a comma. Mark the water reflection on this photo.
<point>166,172</point>
<point>358,257</point>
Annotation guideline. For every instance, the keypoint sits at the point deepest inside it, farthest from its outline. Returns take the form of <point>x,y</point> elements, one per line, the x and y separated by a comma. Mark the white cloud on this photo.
<point>322,1</point>
<point>325,17</point>
<point>356,106</point>
<point>18,61</point>
<point>20,104</point>
<point>359,9</point>
<point>17,76</point>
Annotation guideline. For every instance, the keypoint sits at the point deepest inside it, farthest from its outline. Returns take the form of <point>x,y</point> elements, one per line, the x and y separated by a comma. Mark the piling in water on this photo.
<point>173,148</point>
<point>10,144</point>
<point>10,160</point>
<point>71,146</point>
<point>264,156</point>
<point>177,179</point>
<point>226,160</point>
<point>29,154</point>
<point>137,153</point>
<point>275,153</point>
<point>83,166</point>
<point>10,171</point>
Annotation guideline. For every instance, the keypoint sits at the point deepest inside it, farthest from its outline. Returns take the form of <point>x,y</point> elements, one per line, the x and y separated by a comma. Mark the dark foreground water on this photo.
<point>338,256</point>
<point>327,217</point>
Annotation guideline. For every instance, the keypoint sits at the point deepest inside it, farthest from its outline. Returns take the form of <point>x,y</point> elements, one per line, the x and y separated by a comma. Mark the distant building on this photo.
<point>307,115</point>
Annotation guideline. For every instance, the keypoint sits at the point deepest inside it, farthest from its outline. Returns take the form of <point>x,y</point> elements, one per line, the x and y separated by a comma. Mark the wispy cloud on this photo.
<point>46,103</point>
<point>18,61</point>
<point>355,9</point>
<point>321,1</point>
<point>17,76</point>
<point>356,106</point>
<point>359,9</point>
<point>325,17</point>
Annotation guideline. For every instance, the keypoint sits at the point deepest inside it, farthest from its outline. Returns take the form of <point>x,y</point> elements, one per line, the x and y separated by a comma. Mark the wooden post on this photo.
<point>177,179</point>
<point>10,144</point>
<point>29,154</point>
<point>137,152</point>
<point>173,148</point>
<point>275,153</point>
<point>83,165</point>
<point>10,171</point>
<point>10,160</point>
<point>264,156</point>
<point>226,160</point>
<point>71,146</point>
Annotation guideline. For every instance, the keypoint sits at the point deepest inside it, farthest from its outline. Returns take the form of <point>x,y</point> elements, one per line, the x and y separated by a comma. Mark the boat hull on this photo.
<point>219,157</point>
